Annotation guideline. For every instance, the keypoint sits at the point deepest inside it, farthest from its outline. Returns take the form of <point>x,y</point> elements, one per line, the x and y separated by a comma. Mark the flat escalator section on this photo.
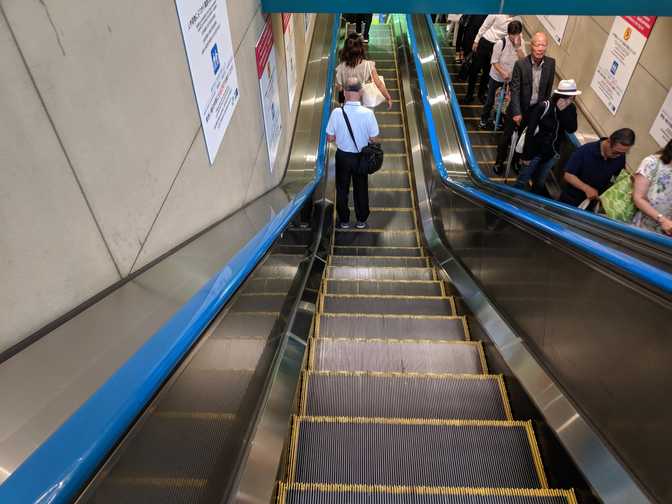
<point>183,444</point>
<point>396,404</point>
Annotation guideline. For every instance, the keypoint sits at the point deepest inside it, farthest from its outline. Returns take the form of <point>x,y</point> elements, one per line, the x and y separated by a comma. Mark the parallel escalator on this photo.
<point>396,402</point>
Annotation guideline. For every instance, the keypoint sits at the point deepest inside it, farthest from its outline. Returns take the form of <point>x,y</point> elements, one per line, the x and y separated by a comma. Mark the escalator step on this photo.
<point>296,236</point>
<point>265,303</point>
<point>416,305</point>
<point>391,220</point>
<point>386,178</point>
<point>341,325</point>
<point>379,273</point>
<point>396,356</point>
<point>388,199</point>
<point>279,266</point>
<point>267,285</point>
<point>404,395</point>
<point>381,261</point>
<point>241,325</point>
<point>385,287</point>
<point>379,251</point>
<point>299,493</point>
<point>356,238</point>
<point>453,453</point>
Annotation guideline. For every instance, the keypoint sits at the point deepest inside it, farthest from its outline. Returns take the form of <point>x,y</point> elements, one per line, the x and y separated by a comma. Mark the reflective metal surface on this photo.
<point>603,340</point>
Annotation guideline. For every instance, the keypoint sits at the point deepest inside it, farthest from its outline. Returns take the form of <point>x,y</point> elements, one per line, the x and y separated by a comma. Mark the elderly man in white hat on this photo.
<point>549,121</point>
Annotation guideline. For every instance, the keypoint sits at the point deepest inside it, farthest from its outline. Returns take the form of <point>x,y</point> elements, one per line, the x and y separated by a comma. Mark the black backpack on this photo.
<point>371,156</point>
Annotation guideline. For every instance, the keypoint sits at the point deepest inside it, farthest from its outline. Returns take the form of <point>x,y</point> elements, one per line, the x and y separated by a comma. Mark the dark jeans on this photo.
<point>537,170</point>
<point>507,133</point>
<point>493,86</point>
<point>345,164</point>
<point>480,64</point>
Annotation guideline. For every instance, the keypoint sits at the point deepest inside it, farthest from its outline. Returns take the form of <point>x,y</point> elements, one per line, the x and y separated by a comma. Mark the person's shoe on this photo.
<point>498,169</point>
<point>344,225</point>
<point>304,225</point>
<point>489,125</point>
<point>361,225</point>
<point>365,40</point>
<point>468,99</point>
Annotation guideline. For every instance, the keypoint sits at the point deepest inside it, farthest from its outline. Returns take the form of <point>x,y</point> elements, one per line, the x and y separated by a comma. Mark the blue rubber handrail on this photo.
<point>638,269</point>
<point>57,470</point>
<point>635,232</point>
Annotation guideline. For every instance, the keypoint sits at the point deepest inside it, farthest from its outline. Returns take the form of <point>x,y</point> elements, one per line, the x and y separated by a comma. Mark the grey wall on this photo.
<point>103,164</point>
<point>577,58</point>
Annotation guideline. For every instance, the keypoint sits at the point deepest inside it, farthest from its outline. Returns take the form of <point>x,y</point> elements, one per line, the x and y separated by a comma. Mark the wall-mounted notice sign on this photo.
<point>267,72</point>
<point>207,41</point>
<point>290,56</point>
<point>661,130</point>
<point>619,58</point>
<point>555,26</point>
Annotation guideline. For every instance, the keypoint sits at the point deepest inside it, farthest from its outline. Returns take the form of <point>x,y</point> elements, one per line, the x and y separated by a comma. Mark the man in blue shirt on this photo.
<point>593,166</point>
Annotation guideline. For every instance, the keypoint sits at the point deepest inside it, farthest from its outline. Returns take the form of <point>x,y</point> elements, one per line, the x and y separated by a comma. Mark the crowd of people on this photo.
<point>539,116</point>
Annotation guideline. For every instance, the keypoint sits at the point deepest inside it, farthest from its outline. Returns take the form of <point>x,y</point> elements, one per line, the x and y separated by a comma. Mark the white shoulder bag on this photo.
<point>520,146</point>
<point>372,97</point>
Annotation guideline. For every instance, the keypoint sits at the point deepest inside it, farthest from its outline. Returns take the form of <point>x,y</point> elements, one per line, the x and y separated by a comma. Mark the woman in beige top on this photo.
<point>354,64</point>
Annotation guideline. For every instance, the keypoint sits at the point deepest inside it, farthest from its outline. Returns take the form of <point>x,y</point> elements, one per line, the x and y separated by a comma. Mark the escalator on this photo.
<point>396,402</point>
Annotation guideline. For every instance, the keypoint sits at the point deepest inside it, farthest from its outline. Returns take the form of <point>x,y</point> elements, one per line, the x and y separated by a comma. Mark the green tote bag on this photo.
<point>617,200</point>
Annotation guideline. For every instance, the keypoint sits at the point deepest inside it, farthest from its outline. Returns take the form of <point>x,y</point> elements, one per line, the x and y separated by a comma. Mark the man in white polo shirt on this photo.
<point>365,130</point>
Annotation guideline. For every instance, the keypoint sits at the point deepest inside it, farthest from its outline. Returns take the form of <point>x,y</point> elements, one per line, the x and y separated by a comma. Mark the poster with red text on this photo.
<point>267,72</point>
<point>619,58</point>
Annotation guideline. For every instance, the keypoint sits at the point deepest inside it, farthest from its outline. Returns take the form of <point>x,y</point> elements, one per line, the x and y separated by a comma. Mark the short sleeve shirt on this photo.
<point>363,122</point>
<point>505,56</point>
<point>362,71</point>
<point>591,168</point>
<point>659,194</point>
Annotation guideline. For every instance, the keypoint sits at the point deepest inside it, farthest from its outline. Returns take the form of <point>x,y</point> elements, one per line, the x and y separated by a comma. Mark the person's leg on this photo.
<point>367,19</point>
<point>360,195</point>
<point>540,176</point>
<point>505,140</point>
<point>434,16</point>
<point>342,186</point>
<point>527,171</point>
<point>493,86</point>
<point>473,75</point>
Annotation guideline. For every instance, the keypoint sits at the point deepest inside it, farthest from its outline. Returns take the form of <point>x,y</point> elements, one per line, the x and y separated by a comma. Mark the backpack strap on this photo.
<point>347,123</point>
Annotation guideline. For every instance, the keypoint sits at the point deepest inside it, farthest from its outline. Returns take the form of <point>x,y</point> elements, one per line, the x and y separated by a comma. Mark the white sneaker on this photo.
<point>344,225</point>
<point>361,225</point>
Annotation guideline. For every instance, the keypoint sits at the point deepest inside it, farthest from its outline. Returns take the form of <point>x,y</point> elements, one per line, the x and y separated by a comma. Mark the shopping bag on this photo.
<point>617,200</point>
<point>371,95</point>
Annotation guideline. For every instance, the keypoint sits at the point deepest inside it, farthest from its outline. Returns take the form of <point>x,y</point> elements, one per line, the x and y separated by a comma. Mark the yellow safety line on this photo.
<point>412,268</point>
<point>385,296</point>
<point>378,230</point>
<point>443,287</point>
<point>431,490</point>
<point>481,353</point>
<point>420,259</point>
<point>465,326</point>
<point>382,281</point>
<point>439,422</point>
<point>538,464</point>
<point>303,404</point>
<point>403,375</point>
<point>394,315</point>
<point>160,481</point>
<point>196,415</point>
<point>452,305</point>
<point>505,396</point>
<point>392,139</point>
<point>294,449</point>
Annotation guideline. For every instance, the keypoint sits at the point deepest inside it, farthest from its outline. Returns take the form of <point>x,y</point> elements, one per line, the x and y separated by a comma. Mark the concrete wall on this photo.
<point>577,58</point>
<point>103,164</point>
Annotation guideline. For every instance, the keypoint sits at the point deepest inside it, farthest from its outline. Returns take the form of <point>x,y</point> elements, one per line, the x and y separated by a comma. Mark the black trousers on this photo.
<point>362,23</point>
<point>507,133</point>
<point>480,64</point>
<point>493,86</point>
<point>345,164</point>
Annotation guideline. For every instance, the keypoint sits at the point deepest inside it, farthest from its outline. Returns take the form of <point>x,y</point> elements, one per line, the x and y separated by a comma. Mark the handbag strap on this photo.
<point>347,123</point>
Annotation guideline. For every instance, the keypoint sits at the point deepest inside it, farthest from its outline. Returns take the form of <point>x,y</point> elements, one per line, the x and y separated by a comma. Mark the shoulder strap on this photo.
<point>347,123</point>
<point>547,105</point>
<point>504,43</point>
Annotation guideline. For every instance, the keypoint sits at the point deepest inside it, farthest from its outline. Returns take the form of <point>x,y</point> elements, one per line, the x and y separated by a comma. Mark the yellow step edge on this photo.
<point>377,230</point>
<point>283,488</point>
<point>394,315</point>
<point>382,280</point>
<point>384,296</point>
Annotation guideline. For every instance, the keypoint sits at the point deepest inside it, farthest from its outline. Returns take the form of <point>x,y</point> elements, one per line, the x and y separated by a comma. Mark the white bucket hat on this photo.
<point>567,88</point>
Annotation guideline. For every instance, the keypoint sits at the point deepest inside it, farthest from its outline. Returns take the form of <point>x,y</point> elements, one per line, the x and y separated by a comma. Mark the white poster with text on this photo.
<point>661,130</point>
<point>555,26</point>
<point>267,72</point>
<point>207,41</point>
<point>619,58</point>
<point>290,56</point>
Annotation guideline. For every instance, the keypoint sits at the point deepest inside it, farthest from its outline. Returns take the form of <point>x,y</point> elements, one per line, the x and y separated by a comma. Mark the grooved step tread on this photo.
<point>392,304</point>
<point>384,287</point>
<point>380,273</point>
<point>381,261</point>
<point>344,325</point>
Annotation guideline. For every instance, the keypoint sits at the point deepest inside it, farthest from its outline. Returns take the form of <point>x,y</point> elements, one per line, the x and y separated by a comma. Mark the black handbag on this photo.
<point>371,156</point>
<point>465,69</point>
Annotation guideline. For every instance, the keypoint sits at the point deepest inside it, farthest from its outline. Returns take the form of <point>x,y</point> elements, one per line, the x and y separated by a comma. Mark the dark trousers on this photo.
<point>345,165</point>
<point>493,86</point>
<point>362,23</point>
<point>507,133</point>
<point>480,64</point>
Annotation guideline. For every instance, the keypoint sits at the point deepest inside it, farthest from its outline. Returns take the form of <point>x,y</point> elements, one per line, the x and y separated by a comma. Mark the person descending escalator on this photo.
<point>466,33</point>
<point>362,24</point>
<point>652,193</point>
<point>548,124</point>
<point>352,127</point>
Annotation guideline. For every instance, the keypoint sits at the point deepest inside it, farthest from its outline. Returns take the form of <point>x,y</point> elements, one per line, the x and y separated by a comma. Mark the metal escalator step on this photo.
<point>255,302</point>
<point>393,147</point>
<point>389,118</point>
<point>391,220</point>
<point>296,236</point>
<point>381,261</point>
<point>452,453</point>
<point>415,305</point>
<point>393,131</point>
<point>379,251</point>
<point>301,493</point>
<point>243,325</point>
<point>374,238</point>
<point>399,356</point>
<point>279,266</point>
<point>343,325</point>
<point>384,287</point>
<point>387,199</point>
<point>404,395</point>
<point>392,163</point>
<point>267,285</point>
<point>289,249</point>
<point>379,273</point>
